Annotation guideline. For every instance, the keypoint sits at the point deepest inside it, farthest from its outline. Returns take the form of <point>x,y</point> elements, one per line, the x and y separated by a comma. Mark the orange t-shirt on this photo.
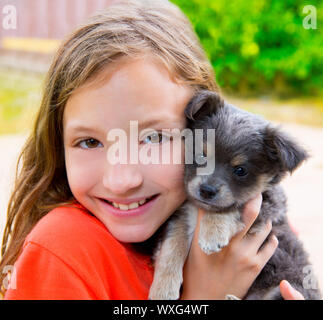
<point>70,254</point>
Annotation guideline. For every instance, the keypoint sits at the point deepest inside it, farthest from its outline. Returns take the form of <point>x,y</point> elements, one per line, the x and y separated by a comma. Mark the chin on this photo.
<point>132,236</point>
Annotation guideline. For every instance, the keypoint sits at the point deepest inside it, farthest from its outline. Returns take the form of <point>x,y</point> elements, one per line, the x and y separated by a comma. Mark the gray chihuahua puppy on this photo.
<point>250,156</point>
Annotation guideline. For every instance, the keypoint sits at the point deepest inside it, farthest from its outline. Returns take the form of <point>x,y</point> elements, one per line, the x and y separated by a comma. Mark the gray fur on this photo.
<point>267,154</point>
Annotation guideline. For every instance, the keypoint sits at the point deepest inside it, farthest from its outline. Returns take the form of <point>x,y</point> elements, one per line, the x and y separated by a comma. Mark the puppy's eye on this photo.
<point>240,171</point>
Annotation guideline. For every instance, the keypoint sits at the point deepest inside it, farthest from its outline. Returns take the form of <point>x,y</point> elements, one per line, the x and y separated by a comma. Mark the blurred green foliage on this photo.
<point>20,95</point>
<point>257,48</point>
<point>261,46</point>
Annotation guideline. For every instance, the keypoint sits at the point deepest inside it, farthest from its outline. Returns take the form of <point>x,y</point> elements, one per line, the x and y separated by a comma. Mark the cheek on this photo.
<point>169,176</point>
<point>83,171</point>
<point>169,172</point>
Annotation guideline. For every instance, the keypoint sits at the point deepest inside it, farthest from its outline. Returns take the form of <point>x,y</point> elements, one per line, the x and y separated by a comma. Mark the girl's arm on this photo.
<point>235,267</point>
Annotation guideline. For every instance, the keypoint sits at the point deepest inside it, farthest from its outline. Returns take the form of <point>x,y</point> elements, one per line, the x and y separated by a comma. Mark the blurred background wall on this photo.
<point>40,25</point>
<point>49,18</point>
<point>268,47</point>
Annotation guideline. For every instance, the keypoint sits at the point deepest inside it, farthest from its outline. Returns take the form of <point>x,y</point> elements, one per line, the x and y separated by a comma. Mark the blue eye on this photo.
<point>89,143</point>
<point>155,138</point>
<point>240,171</point>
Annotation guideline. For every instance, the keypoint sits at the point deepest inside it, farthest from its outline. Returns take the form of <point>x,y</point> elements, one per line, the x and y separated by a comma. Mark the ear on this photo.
<point>282,149</point>
<point>203,103</point>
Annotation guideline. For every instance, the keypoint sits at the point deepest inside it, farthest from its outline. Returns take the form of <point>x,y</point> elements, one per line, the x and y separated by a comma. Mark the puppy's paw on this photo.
<point>163,294</point>
<point>209,247</point>
<point>213,243</point>
<point>166,288</point>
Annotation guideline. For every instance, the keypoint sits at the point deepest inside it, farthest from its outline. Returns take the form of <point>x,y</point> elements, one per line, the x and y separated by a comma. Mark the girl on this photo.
<point>78,226</point>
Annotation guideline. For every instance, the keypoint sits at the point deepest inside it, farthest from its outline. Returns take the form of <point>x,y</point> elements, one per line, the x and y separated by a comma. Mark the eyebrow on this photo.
<point>145,124</point>
<point>158,121</point>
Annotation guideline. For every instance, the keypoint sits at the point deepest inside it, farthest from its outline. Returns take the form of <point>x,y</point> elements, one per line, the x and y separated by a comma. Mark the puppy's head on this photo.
<point>248,154</point>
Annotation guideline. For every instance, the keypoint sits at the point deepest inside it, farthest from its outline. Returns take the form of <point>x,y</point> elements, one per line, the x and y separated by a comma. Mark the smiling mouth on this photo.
<point>134,205</point>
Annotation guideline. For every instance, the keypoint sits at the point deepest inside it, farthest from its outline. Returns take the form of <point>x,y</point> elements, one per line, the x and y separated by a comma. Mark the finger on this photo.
<point>194,245</point>
<point>249,215</point>
<point>288,292</point>
<point>200,214</point>
<point>266,252</point>
<point>256,240</point>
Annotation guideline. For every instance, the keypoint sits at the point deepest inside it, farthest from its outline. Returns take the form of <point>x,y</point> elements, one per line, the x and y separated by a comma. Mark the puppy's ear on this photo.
<point>283,150</point>
<point>203,103</point>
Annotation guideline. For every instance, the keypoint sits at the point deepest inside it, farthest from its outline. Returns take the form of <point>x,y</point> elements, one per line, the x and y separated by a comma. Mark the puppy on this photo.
<point>250,156</point>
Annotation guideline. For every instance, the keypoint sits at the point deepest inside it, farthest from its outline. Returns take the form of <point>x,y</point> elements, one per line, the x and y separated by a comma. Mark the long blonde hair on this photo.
<point>126,28</point>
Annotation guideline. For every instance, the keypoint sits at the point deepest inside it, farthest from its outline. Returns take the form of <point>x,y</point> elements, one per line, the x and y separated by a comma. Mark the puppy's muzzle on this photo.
<point>207,191</point>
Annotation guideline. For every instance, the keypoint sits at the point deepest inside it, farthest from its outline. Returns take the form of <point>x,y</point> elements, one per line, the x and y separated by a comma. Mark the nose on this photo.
<point>121,178</point>
<point>207,191</point>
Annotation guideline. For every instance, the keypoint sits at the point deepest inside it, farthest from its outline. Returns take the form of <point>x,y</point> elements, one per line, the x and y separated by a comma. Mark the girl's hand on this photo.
<point>235,267</point>
<point>288,292</point>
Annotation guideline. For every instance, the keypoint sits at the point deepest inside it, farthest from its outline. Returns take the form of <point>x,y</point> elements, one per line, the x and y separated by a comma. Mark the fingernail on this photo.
<point>257,202</point>
<point>287,284</point>
<point>259,198</point>
<point>275,239</point>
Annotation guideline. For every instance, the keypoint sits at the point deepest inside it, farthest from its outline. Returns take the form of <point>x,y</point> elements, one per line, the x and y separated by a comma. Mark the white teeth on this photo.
<point>123,207</point>
<point>132,205</point>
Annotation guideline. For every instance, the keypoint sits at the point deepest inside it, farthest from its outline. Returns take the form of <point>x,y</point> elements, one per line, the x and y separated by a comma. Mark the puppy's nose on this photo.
<point>208,191</point>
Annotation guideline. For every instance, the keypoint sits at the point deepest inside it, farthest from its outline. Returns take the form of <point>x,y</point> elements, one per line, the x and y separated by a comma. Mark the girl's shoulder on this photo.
<point>69,249</point>
<point>71,231</point>
<point>70,253</point>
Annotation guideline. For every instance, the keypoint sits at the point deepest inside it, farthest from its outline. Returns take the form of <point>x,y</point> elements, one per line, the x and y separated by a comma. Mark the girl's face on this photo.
<point>138,90</point>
